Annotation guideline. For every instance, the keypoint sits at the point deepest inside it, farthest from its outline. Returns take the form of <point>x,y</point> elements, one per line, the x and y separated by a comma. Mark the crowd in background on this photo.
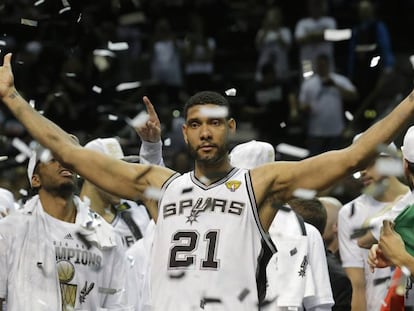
<point>87,64</point>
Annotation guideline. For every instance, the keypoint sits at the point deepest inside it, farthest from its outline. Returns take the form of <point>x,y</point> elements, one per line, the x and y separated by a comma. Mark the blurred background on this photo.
<point>87,64</point>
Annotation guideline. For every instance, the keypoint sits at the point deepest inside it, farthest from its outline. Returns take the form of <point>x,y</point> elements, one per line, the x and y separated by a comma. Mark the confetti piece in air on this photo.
<point>153,193</point>
<point>20,158</point>
<point>118,46</point>
<point>65,3</point>
<point>45,156</point>
<point>23,192</point>
<point>337,34</point>
<point>387,150</point>
<point>61,11</point>
<point>3,158</point>
<point>139,120</point>
<point>167,142</point>
<point>97,89</point>
<point>349,116</point>
<point>32,103</point>
<point>292,150</point>
<point>357,233</point>
<point>28,22</point>
<point>112,117</point>
<point>357,175</point>
<point>282,125</point>
<point>306,194</point>
<point>389,167</point>
<point>22,147</point>
<point>70,75</point>
<point>176,275</point>
<point>102,52</point>
<point>2,43</point>
<point>374,61</point>
<point>231,92</point>
<point>128,86</point>
<point>243,294</point>
<point>79,18</point>
<point>218,112</point>
<point>39,2</point>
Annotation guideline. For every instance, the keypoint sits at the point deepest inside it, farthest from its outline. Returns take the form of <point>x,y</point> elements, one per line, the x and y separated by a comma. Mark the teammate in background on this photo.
<point>304,270</point>
<point>7,202</point>
<point>330,234</point>
<point>210,237</point>
<point>368,292</point>
<point>56,253</point>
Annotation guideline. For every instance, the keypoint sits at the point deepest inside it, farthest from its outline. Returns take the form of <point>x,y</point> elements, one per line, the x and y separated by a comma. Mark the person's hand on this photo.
<point>376,258</point>
<point>151,130</point>
<point>6,77</point>
<point>391,243</point>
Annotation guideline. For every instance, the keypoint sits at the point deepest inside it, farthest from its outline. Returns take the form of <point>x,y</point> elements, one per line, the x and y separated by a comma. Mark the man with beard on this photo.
<point>56,253</point>
<point>211,234</point>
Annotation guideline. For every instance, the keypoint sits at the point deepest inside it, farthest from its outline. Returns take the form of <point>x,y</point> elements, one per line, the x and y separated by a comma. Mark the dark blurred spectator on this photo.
<point>309,35</point>
<point>271,105</point>
<point>322,98</point>
<point>199,50</point>
<point>370,53</point>
<point>273,42</point>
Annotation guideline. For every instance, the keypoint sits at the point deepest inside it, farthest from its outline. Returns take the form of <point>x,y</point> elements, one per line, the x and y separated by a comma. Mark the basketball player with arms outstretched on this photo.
<point>211,229</point>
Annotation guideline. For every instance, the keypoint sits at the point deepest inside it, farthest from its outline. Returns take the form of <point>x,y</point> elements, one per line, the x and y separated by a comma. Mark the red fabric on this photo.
<point>393,301</point>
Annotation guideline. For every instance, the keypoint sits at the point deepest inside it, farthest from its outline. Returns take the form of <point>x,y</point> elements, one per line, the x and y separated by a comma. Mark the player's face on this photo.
<point>54,178</point>
<point>206,136</point>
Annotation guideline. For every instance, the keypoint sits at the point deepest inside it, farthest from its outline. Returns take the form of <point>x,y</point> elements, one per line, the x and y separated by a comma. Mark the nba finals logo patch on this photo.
<point>233,185</point>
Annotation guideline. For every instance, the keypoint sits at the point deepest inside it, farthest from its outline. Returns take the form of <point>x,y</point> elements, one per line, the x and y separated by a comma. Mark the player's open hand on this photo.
<point>6,77</point>
<point>151,130</point>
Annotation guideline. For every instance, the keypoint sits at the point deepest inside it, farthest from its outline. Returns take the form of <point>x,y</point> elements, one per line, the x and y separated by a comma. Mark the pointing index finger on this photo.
<point>149,105</point>
<point>7,60</point>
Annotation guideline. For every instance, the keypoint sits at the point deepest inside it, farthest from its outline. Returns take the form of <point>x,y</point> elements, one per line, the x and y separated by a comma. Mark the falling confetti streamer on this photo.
<point>22,147</point>
<point>153,193</point>
<point>389,167</point>
<point>337,34</point>
<point>3,158</point>
<point>128,86</point>
<point>97,89</point>
<point>292,150</point>
<point>219,112</point>
<point>231,92</point>
<point>306,194</point>
<point>118,46</point>
<point>61,11</point>
<point>112,117</point>
<point>139,120</point>
<point>28,22</point>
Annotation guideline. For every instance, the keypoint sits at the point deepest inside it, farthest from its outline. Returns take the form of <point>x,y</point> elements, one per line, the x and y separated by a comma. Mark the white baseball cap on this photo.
<point>251,154</point>
<point>408,145</point>
<point>111,147</point>
<point>391,147</point>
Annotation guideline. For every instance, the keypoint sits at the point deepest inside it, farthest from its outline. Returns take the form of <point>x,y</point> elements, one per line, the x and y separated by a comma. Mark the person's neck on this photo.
<point>394,190</point>
<point>62,208</point>
<point>97,202</point>
<point>210,173</point>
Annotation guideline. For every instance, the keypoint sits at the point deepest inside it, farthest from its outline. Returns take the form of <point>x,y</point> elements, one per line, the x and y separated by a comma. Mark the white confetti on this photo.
<point>292,150</point>
<point>337,34</point>
<point>70,75</point>
<point>65,3</point>
<point>21,146</point>
<point>39,2</point>
<point>374,61</point>
<point>79,18</point>
<point>308,74</point>
<point>32,103</point>
<point>68,8</point>
<point>231,92</point>
<point>205,180</point>
<point>45,156</point>
<point>357,175</point>
<point>128,86</point>
<point>102,52</point>
<point>2,43</point>
<point>167,142</point>
<point>365,47</point>
<point>306,194</point>
<point>23,192</point>
<point>112,117</point>
<point>139,120</point>
<point>218,112</point>
<point>389,167</point>
<point>282,125</point>
<point>3,158</point>
<point>153,193</point>
<point>20,158</point>
<point>97,89</point>
<point>349,116</point>
<point>28,22</point>
<point>118,46</point>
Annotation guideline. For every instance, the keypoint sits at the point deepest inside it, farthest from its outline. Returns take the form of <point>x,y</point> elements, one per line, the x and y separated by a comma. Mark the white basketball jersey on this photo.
<point>210,251</point>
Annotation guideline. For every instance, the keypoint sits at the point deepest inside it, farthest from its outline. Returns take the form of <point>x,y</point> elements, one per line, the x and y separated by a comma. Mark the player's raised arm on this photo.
<point>319,172</point>
<point>115,176</point>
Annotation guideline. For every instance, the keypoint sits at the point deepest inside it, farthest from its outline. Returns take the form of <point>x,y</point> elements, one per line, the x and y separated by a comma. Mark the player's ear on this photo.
<point>184,130</point>
<point>232,124</point>
<point>35,181</point>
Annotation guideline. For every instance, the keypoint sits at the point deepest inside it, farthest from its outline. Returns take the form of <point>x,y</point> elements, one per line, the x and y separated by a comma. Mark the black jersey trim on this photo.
<point>199,184</point>
<point>166,184</point>
<point>252,198</point>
